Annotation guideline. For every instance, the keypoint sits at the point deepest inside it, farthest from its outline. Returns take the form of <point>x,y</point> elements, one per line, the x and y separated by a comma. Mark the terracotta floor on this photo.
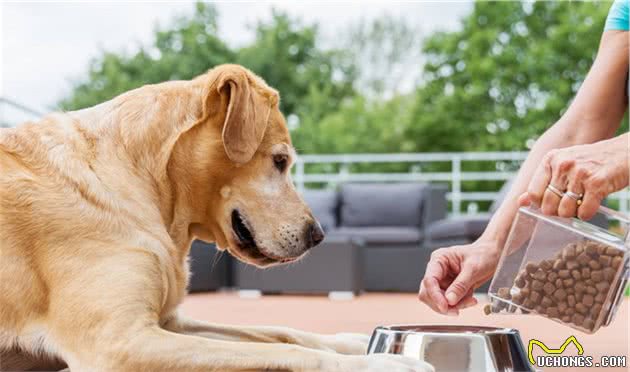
<point>362,314</point>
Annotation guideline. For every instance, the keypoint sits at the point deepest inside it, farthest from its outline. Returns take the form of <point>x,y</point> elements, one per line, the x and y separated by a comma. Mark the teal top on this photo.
<point>618,16</point>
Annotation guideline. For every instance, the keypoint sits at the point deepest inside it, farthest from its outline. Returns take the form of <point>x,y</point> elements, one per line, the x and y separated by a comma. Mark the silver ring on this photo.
<point>554,190</point>
<point>574,196</point>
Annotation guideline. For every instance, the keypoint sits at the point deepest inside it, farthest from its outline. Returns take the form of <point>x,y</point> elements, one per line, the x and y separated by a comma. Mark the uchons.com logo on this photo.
<point>554,357</point>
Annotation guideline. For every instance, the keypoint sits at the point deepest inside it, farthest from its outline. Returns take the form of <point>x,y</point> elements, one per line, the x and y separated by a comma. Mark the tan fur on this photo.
<point>98,209</point>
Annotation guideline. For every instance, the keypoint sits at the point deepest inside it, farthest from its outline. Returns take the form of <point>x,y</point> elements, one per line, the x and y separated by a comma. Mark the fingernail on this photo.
<point>451,298</point>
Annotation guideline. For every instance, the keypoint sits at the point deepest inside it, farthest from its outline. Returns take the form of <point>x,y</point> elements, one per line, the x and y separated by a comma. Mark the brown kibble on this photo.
<point>537,285</point>
<point>583,258</point>
<point>568,282</point>
<point>518,298</point>
<point>602,286</point>
<point>504,293</point>
<point>560,294</point>
<point>616,262</point>
<point>597,275</point>
<point>534,297</point>
<point>487,309</point>
<point>564,274</point>
<point>576,274</point>
<point>589,282</point>
<point>609,273</point>
<point>572,265</point>
<point>539,309</point>
<point>520,282</point>
<point>558,265</point>
<point>594,265</point>
<point>528,304</point>
<point>540,275</point>
<point>571,300</point>
<point>600,297</point>
<point>586,272</point>
<point>588,324</point>
<point>580,287</point>
<point>546,265</point>
<point>591,248</point>
<point>558,283</point>
<point>566,318</point>
<point>605,260</point>
<point>562,307</point>
<point>579,249</point>
<point>600,248</point>
<point>570,290</point>
<point>553,312</point>
<point>612,251</point>
<point>531,267</point>
<point>552,276</point>
<point>578,297</point>
<point>581,308</point>
<point>591,290</point>
<point>596,309</point>
<point>569,311</point>
<point>524,292</point>
<point>588,300</point>
<point>546,302</point>
<point>577,319</point>
<point>568,252</point>
<point>549,288</point>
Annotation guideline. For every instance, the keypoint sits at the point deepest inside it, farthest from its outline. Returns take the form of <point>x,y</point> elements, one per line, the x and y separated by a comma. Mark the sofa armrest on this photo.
<point>434,205</point>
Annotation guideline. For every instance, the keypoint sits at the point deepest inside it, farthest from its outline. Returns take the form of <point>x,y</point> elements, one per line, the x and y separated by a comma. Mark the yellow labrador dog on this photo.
<point>98,209</point>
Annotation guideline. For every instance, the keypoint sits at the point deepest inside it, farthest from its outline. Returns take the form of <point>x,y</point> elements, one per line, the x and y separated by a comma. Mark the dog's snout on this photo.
<point>315,234</point>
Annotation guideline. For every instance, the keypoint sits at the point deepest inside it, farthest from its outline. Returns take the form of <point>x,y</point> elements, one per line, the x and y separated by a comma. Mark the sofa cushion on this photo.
<point>381,235</point>
<point>381,204</point>
<point>459,227</point>
<point>323,203</point>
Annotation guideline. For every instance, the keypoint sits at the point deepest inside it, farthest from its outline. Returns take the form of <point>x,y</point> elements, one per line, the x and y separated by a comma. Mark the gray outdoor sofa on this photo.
<point>383,227</point>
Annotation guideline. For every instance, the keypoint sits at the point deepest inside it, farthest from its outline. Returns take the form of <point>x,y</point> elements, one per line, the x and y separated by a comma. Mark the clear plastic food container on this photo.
<point>564,269</point>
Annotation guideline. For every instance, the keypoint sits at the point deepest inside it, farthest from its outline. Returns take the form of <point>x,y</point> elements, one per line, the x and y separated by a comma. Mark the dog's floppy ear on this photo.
<point>246,117</point>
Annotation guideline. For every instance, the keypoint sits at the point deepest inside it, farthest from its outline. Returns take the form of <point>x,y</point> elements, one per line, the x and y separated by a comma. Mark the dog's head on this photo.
<point>251,207</point>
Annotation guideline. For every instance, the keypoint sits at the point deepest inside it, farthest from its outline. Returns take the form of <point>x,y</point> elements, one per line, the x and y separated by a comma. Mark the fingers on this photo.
<point>590,204</point>
<point>539,182</point>
<point>524,200</point>
<point>432,295</point>
<point>462,284</point>
<point>569,206</point>
<point>431,292</point>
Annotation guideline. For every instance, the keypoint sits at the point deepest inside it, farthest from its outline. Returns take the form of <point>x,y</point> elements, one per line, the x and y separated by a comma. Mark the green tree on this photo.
<point>285,53</point>
<point>505,76</point>
<point>185,49</point>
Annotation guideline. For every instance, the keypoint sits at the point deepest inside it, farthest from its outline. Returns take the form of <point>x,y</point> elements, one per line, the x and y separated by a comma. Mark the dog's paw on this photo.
<point>349,343</point>
<point>386,362</point>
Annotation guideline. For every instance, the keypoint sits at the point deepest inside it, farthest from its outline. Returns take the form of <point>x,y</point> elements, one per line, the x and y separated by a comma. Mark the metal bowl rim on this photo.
<point>456,329</point>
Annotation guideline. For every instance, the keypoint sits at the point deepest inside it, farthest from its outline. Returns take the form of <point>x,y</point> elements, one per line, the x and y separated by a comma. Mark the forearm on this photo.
<point>594,115</point>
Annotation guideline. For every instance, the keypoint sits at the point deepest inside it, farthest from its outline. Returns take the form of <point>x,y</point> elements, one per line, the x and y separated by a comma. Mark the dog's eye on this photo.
<point>281,161</point>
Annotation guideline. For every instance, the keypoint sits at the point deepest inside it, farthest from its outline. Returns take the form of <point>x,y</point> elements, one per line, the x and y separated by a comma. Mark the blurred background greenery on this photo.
<point>494,85</point>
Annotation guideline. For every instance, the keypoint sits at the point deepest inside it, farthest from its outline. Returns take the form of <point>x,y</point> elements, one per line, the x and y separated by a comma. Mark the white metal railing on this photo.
<point>454,178</point>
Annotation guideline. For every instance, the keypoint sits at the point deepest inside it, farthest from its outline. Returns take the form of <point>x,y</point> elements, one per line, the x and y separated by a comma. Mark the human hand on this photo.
<point>584,175</point>
<point>454,273</point>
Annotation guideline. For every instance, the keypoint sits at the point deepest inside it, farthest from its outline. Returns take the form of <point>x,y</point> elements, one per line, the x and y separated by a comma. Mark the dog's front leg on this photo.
<point>344,343</point>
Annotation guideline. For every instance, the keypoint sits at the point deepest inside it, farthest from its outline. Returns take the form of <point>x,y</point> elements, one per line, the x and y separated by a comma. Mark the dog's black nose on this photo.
<point>315,234</point>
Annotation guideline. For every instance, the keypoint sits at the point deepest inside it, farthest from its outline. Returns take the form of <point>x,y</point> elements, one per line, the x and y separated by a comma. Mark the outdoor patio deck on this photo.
<point>319,314</point>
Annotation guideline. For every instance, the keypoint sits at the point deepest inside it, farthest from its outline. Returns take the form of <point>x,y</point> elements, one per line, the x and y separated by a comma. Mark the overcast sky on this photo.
<point>47,45</point>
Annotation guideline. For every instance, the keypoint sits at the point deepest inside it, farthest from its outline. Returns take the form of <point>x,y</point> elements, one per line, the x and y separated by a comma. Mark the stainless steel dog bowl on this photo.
<point>455,348</point>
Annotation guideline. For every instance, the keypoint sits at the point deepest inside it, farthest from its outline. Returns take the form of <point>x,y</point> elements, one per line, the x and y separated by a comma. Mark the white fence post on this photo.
<point>299,175</point>
<point>456,188</point>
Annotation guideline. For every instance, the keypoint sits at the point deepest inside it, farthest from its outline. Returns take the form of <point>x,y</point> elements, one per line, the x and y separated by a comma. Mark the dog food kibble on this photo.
<point>487,309</point>
<point>549,288</point>
<point>609,274</point>
<point>571,288</point>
